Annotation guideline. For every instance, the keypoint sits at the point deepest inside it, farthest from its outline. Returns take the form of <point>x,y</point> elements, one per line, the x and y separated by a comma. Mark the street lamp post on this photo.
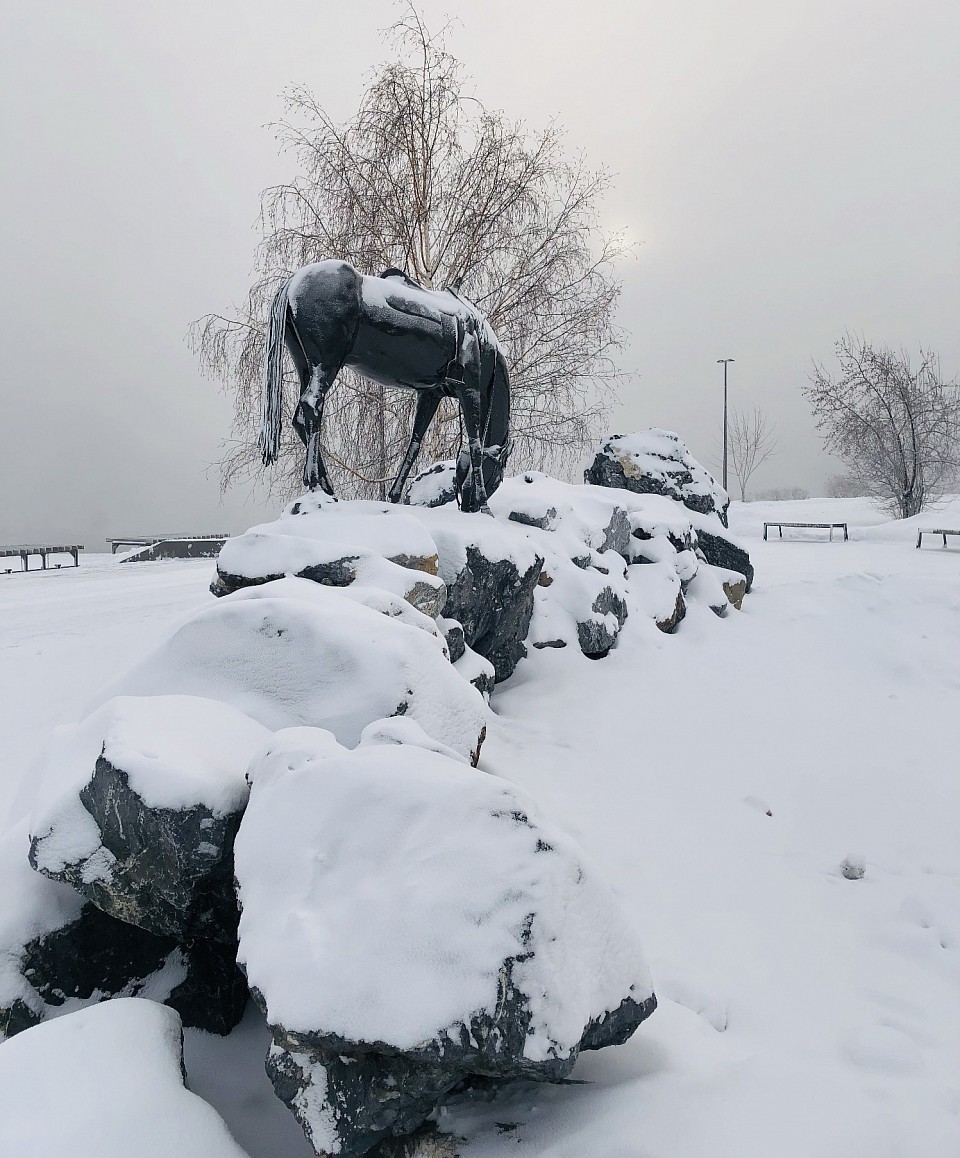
<point>725,361</point>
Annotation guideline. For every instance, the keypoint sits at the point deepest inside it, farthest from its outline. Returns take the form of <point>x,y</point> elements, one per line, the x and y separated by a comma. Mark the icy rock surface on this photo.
<point>658,462</point>
<point>105,1082</point>
<point>143,800</point>
<point>323,660</point>
<point>59,953</point>
<point>594,516</point>
<point>434,487</point>
<point>337,544</point>
<point>490,569</point>
<point>721,549</point>
<point>408,922</point>
<point>583,534</point>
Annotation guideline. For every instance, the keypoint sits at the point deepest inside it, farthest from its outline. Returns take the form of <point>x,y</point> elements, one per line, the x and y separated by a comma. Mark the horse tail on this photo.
<point>272,397</point>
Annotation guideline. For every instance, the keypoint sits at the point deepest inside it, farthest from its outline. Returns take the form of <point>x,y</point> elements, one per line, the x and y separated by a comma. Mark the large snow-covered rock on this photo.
<point>491,571</point>
<point>106,1082</point>
<point>59,952</point>
<point>142,802</point>
<point>434,487</point>
<point>594,516</point>
<point>583,534</point>
<point>324,660</point>
<point>337,544</point>
<point>408,922</point>
<point>721,549</point>
<point>658,462</point>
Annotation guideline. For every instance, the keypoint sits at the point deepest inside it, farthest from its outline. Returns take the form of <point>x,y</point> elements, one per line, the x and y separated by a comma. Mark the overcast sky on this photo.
<point>788,170</point>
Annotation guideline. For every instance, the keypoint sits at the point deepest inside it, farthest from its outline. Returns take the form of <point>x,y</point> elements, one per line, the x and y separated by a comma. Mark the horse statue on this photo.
<point>395,332</point>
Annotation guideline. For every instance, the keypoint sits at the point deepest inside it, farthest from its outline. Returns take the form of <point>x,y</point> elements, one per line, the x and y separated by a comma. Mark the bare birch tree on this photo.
<point>895,428</point>
<point>751,443</point>
<point>425,178</point>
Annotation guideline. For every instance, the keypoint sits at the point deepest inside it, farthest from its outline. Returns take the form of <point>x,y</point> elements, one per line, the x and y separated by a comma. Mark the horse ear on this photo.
<point>456,283</point>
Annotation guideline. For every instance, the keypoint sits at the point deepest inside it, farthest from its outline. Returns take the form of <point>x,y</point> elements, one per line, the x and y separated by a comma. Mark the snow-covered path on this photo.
<point>719,776</point>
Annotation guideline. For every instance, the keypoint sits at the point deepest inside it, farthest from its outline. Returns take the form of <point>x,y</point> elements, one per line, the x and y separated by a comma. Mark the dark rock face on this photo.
<point>596,639</point>
<point>375,1097</point>
<point>657,462</point>
<point>97,957</point>
<point>336,573</point>
<point>672,622</point>
<point>493,601</point>
<point>377,1094</point>
<point>720,552</point>
<point>170,870</point>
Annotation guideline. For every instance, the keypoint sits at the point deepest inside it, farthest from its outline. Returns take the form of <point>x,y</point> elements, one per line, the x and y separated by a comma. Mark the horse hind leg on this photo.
<point>427,404</point>
<point>308,421</point>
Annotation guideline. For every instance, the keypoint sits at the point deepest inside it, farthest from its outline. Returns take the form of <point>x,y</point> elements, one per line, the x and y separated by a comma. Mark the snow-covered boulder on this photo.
<point>658,462</point>
<point>59,952</point>
<point>337,544</point>
<point>324,660</point>
<point>583,534</point>
<point>720,549</point>
<point>657,593</point>
<point>718,588</point>
<point>434,487</point>
<point>593,515</point>
<point>106,1082</point>
<point>581,601</point>
<point>490,569</point>
<point>142,801</point>
<point>408,922</point>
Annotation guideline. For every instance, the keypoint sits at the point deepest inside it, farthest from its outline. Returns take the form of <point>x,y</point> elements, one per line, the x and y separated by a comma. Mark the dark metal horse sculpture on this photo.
<point>397,333</point>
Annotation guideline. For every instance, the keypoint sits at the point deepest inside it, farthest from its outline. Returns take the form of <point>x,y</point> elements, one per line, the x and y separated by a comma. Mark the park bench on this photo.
<point>818,526</point>
<point>153,547</point>
<point>935,531</point>
<point>153,540</point>
<point>25,550</point>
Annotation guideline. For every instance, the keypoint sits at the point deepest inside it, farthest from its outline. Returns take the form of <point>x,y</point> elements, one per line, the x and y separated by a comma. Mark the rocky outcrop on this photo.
<point>472,938</point>
<point>152,791</point>
<point>337,544</point>
<point>491,573</point>
<point>658,462</point>
<point>293,652</point>
<point>720,550</point>
<point>58,951</point>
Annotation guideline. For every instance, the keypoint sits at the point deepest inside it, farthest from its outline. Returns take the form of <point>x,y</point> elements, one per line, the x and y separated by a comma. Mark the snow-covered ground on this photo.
<point>720,776</point>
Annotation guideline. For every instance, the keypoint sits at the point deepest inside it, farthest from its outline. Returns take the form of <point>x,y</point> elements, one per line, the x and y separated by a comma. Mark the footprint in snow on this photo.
<point>883,1050</point>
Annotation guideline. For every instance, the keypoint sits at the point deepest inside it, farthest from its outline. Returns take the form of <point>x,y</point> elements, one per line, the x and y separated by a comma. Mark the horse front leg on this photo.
<point>475,494</point>
<point>427,404</point>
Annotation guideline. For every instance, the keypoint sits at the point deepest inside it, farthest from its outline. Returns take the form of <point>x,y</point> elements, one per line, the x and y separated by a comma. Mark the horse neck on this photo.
<point>497,427</point>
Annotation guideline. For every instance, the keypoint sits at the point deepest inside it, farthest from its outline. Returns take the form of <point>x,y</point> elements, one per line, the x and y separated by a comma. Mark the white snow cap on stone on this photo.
<point>654,451</point>
<point>326,661</point>
<point>178,751</point>
<point>383,889</point>
<point>381,528</point>
<point>30,906</point>
<point>105,1082</point>
<point>579,510</point>
<point>454,531</point>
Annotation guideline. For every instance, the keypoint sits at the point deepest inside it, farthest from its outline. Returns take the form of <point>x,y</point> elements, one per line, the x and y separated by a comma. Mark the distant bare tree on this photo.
<point>895,428</point>
<point>846,486</point>
<point>425,178</point>
<point>781,494</point>
<point>751,443</point>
